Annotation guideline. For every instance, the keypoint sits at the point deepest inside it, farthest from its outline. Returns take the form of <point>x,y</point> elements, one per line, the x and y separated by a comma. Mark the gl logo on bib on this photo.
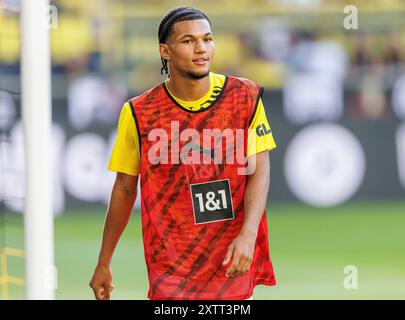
<point>212,201</point>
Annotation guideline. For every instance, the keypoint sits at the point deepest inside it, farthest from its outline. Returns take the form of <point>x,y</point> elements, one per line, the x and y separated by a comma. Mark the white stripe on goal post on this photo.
<point>37,121</point>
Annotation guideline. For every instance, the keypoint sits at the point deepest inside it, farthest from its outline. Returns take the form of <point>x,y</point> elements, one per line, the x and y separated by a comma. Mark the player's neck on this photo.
<point>188,89</point>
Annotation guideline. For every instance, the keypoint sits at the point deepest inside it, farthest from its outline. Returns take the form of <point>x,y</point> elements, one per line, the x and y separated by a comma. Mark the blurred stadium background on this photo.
<point>335,99</point>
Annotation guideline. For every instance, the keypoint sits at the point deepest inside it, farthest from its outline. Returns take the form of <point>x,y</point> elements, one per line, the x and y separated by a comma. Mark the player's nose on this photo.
<point>200,46</point>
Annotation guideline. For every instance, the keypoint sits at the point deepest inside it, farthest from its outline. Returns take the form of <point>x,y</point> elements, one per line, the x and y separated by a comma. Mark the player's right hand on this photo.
<point>101,282</point>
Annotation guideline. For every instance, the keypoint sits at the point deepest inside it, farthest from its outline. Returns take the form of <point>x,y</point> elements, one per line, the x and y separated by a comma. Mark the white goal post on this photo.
<point>37,121</point>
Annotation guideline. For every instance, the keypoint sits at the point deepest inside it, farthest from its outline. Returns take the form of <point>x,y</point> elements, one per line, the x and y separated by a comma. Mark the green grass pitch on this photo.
<point>309,248</point>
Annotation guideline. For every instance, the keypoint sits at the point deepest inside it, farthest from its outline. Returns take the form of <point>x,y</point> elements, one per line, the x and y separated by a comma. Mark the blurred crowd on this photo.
<point>316,68</point>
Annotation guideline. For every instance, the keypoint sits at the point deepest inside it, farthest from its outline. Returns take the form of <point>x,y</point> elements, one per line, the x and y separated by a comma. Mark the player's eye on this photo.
<point>209,39</point>
<point>188,41</point>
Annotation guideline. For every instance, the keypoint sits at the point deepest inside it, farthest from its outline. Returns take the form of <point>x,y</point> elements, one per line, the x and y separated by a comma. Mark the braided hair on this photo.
<point>173,16</point>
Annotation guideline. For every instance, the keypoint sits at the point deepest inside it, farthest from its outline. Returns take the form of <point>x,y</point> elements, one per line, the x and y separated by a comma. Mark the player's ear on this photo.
<point>164,51</point>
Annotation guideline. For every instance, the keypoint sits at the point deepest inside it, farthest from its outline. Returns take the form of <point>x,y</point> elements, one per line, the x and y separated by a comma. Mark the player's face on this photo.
<point>190,48</point>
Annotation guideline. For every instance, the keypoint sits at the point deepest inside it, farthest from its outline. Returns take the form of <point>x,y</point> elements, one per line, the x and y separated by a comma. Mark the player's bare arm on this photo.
<point>257,188</point>
<point>118,213</point>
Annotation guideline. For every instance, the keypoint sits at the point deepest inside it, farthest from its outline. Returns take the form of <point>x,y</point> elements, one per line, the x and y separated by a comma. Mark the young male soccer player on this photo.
<point>203,218</point>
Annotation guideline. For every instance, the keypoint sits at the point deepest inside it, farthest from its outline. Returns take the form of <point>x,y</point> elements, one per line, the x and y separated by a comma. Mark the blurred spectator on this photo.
<point>8,111</point>
<point>314,88</point>
<point>393,59</point>
<point>366,79</point>
<point>303,43</point>
<point>93,99</point>
<point>275,38</point>
<point>398,97</point>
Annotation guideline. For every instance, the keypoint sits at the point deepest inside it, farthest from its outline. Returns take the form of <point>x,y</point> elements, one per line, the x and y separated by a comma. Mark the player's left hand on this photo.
<point>241,250</point>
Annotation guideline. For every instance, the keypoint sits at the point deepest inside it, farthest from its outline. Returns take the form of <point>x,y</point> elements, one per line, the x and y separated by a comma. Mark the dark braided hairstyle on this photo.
<point>173,16</point>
